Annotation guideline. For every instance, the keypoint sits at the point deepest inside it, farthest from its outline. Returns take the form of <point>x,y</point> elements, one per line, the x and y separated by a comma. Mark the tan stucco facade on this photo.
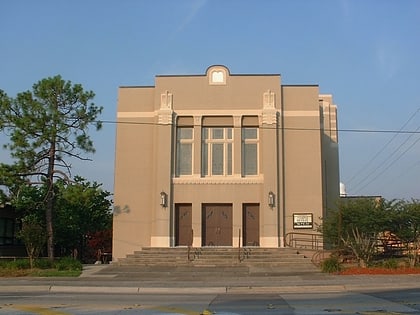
<point>217,145</point>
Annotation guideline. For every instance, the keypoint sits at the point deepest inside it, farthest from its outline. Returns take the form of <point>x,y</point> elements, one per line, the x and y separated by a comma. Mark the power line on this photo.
<point>282,128</point>
<point>395,133</point>
<point>402,174</point>
<point>390,164</point>
<point>383,148</point>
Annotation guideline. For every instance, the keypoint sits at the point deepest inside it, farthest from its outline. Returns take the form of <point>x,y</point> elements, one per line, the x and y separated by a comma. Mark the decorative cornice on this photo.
<point>165,118</point>
<point>218,181</point>
<point>165,112</point>
<point>269,117</point>
<point>166,101</point>
<point>269,114</point>
<point>269,100</point>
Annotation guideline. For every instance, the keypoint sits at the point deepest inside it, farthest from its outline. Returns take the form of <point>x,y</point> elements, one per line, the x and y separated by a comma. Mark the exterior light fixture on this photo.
<point>271,199</point>
<point>163,199</point>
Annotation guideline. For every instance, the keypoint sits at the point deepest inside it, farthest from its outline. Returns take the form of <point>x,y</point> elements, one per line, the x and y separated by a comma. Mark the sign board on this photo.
<point>303,221</point>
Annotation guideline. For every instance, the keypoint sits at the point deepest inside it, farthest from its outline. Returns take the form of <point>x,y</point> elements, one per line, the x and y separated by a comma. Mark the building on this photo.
<point>10,245</point>
<point>221,159</point>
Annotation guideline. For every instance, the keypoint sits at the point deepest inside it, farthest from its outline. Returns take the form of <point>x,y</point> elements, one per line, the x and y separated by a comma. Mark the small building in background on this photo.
<point>10,246</point>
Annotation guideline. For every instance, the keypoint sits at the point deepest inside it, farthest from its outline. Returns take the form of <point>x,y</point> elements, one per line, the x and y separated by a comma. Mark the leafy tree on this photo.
<point>361,223</point>
<point>83,209</point>
<point>29,201</point>
<point>47,126</point>
<point>406,226</point>
<point>98,243</point>
<point>357,224</point>
<point>10,184</point>
<point>368,215</point>
<point>362,245</point>
<point>33,235</point>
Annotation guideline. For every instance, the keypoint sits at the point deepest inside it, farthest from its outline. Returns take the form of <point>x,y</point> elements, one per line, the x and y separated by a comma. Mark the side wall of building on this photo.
<point>302,181</point>
<point>133,200</point>
<point>330,164</point>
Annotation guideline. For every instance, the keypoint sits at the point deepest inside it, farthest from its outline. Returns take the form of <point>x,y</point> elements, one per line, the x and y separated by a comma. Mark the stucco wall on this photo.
<point>291,156</point>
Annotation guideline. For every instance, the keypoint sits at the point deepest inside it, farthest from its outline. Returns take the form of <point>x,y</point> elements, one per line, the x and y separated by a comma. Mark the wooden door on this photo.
<point>251,224</point>
<point>217,225</point>
<point>183,224</point>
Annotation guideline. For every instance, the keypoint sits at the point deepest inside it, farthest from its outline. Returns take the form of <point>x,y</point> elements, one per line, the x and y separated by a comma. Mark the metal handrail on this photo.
<point>243,253</point>
<point>190,246</point>
<point>239,246</point>
<point>304,240</point>
<point>320,255</point>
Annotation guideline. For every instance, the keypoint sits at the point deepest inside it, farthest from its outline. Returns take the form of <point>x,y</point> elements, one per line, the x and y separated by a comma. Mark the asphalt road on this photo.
<point>104,293</point>
<point>258,303</point>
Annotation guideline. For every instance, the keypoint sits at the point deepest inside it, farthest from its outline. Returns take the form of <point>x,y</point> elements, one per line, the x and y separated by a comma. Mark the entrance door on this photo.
<point>251,224</point>
<point>217,225</point>
<point>183,224</point>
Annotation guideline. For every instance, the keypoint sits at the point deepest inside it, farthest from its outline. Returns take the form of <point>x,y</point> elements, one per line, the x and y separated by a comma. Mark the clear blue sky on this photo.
<point>364,52</point>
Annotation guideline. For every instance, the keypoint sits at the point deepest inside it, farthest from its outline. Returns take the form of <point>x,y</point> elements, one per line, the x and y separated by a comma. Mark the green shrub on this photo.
<point>68,263</point>
<point>331,265</point>
<point>18,264</point>
<point>43,263</point>
<point>391,263</point>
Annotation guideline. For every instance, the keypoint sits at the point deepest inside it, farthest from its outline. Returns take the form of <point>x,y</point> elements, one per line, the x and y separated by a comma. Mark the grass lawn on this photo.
<point>61,267</point>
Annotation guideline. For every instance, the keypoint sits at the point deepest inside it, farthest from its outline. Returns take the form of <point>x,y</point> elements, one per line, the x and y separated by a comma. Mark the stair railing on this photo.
<point>190,246</point>
<point>243,253</point>
<point>239,246</point>
<point>304,240</point>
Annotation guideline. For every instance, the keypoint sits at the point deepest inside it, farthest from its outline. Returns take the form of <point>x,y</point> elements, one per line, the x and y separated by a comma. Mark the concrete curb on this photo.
<point>201,290</point>
<point>162,290</point>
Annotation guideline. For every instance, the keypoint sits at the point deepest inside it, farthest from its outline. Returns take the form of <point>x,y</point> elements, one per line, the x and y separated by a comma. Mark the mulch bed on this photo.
<point>379,271</point>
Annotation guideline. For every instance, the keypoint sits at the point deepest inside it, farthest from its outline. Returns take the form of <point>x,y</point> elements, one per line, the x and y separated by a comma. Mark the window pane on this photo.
<point>217,133</point>
<point>185,133</point>
<point>229,159</point>
<point>250,159</point>
<point>184,161</point>
<point>217,159</point>
<point>204,159</point>
<point>229,133</point>
<point>205,134</point>
<point>249,133</point>
<point>217,151</point>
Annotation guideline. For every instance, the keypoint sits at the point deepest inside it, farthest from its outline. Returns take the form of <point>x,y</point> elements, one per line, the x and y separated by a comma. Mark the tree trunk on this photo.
<point>50,203</point>
<point>49,221</point>
<point>362,263</point>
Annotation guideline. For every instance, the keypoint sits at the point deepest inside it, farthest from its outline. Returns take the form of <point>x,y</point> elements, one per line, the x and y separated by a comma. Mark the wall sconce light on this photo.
<point>163,199</point>
<point>271,199</point>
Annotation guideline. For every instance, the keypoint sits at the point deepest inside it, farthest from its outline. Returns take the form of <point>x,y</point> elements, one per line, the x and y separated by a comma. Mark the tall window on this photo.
<point>184,151</point>
<point>216,151</point>
<point>249,151</point>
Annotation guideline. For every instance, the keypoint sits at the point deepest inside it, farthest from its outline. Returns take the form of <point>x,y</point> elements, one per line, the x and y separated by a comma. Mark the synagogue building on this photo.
<point>222,159</point>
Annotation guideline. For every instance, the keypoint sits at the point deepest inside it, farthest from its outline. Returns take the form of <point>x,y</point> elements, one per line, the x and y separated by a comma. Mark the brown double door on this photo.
<point>183,225</point>
<point>251,224</point>
<point>217,225</point>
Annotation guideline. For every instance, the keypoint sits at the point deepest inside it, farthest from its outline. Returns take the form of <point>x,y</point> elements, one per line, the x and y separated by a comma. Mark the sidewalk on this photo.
<point>97,279</point>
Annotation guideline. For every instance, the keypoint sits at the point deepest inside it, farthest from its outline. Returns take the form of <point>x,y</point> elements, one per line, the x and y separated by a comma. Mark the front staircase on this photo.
<point>248,260</point>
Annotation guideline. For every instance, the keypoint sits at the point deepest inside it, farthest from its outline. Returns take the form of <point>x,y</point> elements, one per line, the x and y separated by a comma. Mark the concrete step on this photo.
<point>200,273</point>
<point>174,262</point>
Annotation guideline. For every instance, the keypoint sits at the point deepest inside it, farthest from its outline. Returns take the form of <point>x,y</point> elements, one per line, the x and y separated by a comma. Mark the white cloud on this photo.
<point>193,10</point>
<point>388,59</point>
